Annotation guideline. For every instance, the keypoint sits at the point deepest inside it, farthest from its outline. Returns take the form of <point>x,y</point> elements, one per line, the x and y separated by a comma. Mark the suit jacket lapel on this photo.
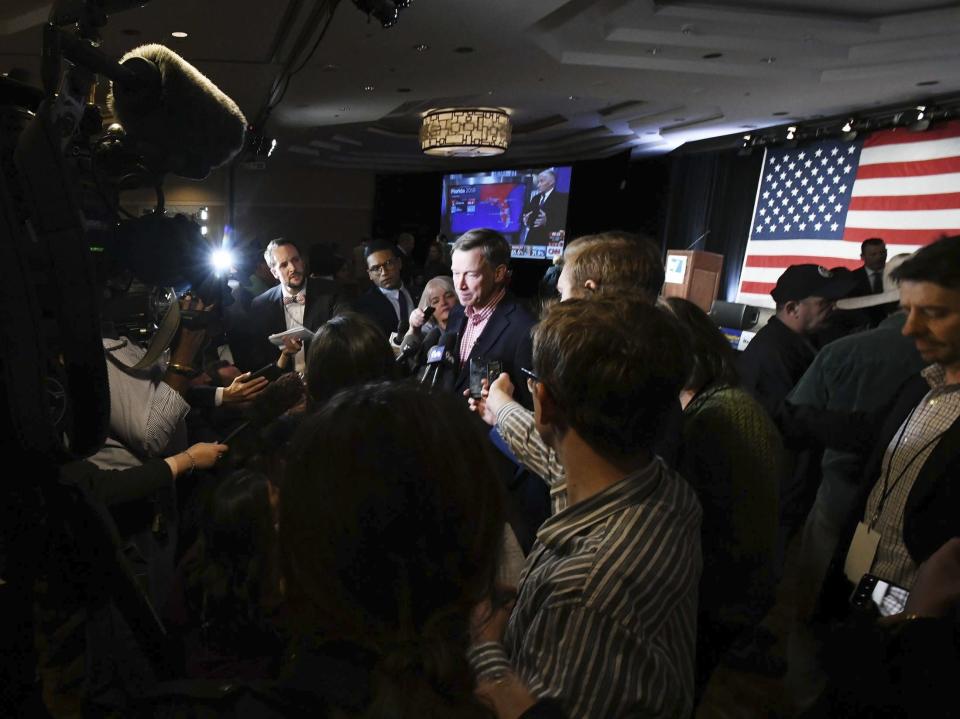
<point>496,325</point>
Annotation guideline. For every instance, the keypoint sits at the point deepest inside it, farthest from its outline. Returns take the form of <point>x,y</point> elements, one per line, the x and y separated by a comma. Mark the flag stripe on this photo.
<point>781,261</point>
<point>901,237</point>
<point>939,166</point>
<point>929,149</point>
<point>757,288</point>
<point>923,185</point>
<point>920,220</point>
<point>942,201</point>
<point>902,136</point>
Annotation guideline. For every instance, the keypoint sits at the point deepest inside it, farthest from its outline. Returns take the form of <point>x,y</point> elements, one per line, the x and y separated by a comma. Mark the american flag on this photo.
<point>817,203</point>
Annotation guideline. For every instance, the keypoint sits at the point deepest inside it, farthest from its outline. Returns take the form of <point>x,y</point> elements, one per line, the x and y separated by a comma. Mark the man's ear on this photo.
<point>550,412</point>
<point>791,306</point>
<point>590,285</point>
<point>275,272</point>
<point>500,273</point>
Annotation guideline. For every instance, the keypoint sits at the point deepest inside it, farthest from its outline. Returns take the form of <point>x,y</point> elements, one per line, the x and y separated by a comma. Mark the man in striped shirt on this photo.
<point>605,618</point>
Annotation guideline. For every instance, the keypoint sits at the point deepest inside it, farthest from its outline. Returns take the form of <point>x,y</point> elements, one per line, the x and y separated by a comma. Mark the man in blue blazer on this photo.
<point>490,323</point>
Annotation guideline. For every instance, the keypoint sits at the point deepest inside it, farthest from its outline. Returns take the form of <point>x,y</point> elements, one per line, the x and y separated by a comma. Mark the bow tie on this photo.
<point>298,298</point>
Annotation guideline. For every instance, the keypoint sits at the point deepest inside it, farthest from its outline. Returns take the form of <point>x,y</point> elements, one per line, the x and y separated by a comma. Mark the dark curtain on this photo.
<point>710,206</point>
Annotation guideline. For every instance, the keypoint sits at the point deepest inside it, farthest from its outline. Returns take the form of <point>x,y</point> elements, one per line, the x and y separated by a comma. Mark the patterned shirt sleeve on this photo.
<point>517,428</point>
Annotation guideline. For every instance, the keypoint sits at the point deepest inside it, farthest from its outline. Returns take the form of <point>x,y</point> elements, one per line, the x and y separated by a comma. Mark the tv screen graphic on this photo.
<point>529,207</point>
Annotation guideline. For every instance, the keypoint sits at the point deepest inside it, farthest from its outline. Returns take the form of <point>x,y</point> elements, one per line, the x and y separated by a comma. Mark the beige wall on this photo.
<point>306,204</point>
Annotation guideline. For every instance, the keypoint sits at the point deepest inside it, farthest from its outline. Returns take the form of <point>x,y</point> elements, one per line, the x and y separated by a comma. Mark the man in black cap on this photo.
<point>775,360</point>
<point>781,352</point>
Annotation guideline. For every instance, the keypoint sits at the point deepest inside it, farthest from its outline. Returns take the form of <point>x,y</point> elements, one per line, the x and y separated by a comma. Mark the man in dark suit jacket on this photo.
<point>869,277</point>
<point>387,302</point>
<point>295,302</point>
<point>490,323</point>
<point>545,212</point>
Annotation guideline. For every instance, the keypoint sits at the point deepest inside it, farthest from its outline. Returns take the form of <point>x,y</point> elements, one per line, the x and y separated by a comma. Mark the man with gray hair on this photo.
<point>545,212</point>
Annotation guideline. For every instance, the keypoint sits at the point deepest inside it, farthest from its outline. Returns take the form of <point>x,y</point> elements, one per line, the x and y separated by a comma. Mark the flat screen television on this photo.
<point>529,207</point>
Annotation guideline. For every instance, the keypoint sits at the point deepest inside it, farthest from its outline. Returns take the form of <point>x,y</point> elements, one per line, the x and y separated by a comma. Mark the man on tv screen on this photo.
<point>545,212</point>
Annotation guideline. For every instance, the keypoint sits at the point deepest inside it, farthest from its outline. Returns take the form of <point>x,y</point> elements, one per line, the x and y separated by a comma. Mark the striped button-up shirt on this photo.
<point>906,455</point>
<point>606,616</point>
<point>476,321</point>
<point>517,428</point>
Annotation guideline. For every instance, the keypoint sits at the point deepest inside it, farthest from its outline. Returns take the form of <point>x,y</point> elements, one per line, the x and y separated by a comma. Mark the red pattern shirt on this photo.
<point>476,320</point>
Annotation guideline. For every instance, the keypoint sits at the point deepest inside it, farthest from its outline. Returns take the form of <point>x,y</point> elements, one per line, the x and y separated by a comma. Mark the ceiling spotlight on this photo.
<point>791,132</point>
<point>746,147</point>
<point>369,88</point>
<point>848,132</point>
<point>387,12</point>
<point>921,119</point>
<point>273,146</point>
<point>422,47</point>
<point>204,214</point>
<point>179,34</point>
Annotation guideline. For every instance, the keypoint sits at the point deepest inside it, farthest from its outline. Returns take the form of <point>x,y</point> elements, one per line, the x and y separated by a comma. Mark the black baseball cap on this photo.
<point>801,281</point>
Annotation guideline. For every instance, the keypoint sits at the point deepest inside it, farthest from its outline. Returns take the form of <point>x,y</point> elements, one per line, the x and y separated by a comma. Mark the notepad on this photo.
<point>299,332</point>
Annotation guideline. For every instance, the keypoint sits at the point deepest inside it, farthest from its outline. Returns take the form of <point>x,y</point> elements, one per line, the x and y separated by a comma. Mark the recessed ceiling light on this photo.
<point>403,89</point>
<point>329,67</point>
<point>712,55</point>
<point>928,82</point>
<point>768,60</point>
<point>573,97</point>
<point>179,33</point>
<point>369,88</point>
<point>422,47</point>
<point>653,51</point>
<point>463,49</point>
<point>779,113</point>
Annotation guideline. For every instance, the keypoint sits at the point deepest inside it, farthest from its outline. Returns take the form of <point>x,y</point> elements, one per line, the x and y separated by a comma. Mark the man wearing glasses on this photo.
<point>388,303</point>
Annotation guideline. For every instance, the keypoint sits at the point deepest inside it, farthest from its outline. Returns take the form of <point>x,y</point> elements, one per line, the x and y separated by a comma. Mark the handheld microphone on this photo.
<point>443,358</point>
<point>412,344</point>
<point>184,123</point>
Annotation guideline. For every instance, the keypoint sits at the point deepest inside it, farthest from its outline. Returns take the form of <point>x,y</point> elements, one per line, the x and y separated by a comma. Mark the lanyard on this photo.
<point>887,487</point>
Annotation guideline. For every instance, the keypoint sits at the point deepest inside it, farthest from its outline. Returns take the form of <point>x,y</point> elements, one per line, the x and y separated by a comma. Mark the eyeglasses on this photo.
<point>385,267</point>
<point>532,378</point>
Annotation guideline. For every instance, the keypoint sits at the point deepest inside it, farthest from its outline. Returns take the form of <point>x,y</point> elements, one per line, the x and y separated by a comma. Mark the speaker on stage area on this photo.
<point>734,315</point>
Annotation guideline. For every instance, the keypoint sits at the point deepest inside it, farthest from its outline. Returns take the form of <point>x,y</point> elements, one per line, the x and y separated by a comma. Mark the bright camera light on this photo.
<point>273,146</point>
<point>222,260</point>
<point>204,214</point>
<point>203,230</point>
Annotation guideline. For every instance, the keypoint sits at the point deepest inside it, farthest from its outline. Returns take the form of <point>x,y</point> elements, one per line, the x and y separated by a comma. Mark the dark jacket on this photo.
<point>374,305</point>
<point>507,337</point>
<point>773,363</point>
<point>248,338</point>
<point>555,210</point>
<point>932,512</point>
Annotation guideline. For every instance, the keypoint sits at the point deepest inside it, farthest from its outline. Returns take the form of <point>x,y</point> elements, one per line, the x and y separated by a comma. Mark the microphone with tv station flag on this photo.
<point>180,120</point>
<point>439,357</point>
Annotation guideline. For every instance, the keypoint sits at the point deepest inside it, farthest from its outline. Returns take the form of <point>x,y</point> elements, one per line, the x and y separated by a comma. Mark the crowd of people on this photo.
<point>333,514</point>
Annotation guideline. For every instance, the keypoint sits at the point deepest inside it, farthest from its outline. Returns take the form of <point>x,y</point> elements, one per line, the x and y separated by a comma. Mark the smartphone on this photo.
<point>887,597</point>
<point>483,369</point>
<point>260,372</point>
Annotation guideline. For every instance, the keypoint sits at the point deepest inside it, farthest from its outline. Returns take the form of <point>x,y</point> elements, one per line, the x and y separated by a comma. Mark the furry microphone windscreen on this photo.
<point>184,122</point>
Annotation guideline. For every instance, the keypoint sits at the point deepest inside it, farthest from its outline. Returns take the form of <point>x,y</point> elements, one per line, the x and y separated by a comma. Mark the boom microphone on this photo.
<point>183,123</point>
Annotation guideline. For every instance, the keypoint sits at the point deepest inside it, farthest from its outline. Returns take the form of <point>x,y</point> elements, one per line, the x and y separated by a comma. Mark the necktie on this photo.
<point>404,308</point>
<point>298,298</point>
<point>876,282</point>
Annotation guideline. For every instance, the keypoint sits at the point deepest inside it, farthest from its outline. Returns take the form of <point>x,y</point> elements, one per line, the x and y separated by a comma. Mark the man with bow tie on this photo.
<point>296,302</point>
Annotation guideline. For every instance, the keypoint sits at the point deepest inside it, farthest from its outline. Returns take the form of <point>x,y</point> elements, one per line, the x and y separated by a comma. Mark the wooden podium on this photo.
<point>694,276</point>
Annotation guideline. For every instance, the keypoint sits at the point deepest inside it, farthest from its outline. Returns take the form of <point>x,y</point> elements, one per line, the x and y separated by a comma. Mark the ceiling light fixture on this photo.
<point>179,34</point>
<point>848,132</point>
<point>387,12</point>
<point>369,88</point>
<point>465,132</point>
<point>791,132</point>
<point>422,47</point>
<point>921,119</point>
